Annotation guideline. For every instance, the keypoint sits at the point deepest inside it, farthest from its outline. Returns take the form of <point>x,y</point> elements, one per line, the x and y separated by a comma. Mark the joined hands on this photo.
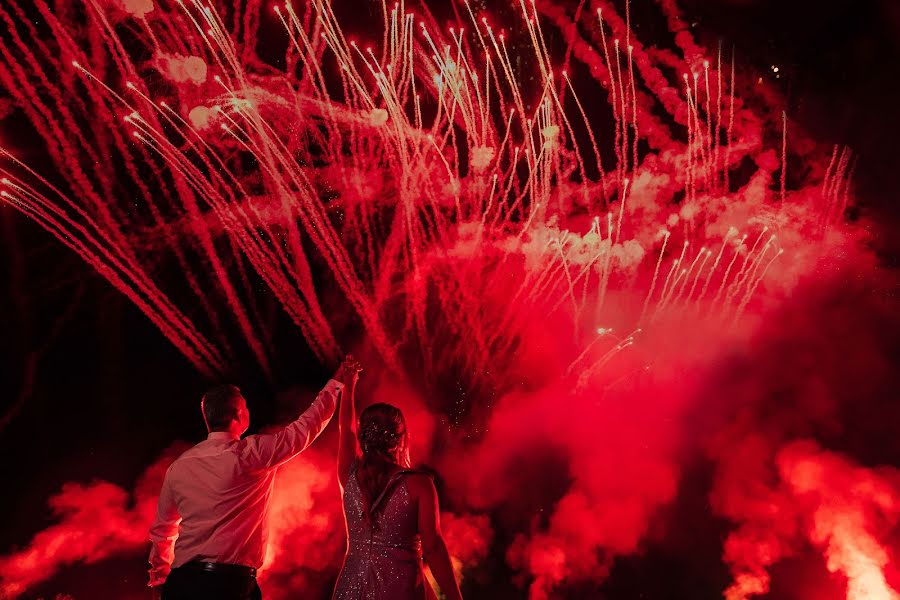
<point>349,370</point>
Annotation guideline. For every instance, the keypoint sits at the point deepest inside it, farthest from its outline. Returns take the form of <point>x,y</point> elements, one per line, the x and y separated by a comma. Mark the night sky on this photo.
<point>91,390</point>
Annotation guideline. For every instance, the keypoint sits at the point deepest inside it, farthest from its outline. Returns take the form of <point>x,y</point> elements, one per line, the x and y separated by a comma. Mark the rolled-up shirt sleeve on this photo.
<point>271,450</point>
<point>163,534</point>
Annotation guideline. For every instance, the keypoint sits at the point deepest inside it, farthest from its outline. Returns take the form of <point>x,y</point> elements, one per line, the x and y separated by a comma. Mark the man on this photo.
<point>210,531</point>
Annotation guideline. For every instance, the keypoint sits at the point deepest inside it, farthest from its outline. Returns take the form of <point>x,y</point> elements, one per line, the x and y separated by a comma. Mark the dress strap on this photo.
<point>390,484</point>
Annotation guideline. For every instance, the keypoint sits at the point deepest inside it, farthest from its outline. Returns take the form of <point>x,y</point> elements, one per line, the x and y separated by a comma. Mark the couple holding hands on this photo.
<point>209,537</point>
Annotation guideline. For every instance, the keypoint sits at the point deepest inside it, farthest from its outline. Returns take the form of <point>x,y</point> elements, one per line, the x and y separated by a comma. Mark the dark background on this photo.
<point>90,390</point>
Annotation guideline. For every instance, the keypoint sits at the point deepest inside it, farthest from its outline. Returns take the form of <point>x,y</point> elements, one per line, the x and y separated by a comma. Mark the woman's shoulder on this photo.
<point>349,472</point>
<point>418,482</point>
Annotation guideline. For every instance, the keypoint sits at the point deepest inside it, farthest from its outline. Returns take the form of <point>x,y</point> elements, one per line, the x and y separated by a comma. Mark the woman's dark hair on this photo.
<point>384,442</point>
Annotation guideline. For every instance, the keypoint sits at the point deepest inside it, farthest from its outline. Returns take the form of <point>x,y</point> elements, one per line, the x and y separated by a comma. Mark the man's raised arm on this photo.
<point>271,450</point>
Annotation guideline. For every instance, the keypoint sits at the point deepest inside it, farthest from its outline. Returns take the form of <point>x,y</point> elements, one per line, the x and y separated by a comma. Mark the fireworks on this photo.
<point>455,201</point>
<point>414,175</point>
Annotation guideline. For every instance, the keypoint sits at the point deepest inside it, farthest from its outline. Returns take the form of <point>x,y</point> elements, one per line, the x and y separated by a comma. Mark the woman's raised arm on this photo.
<point>347,419</point>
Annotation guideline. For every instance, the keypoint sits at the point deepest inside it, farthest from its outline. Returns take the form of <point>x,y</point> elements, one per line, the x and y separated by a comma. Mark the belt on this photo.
<point>212,567</point>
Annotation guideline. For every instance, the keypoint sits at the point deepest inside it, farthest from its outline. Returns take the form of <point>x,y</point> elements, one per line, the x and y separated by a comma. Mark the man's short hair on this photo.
<point>220,406</point>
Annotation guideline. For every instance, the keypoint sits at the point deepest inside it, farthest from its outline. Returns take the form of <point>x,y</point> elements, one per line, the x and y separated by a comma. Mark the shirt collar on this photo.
<point>220,435</point>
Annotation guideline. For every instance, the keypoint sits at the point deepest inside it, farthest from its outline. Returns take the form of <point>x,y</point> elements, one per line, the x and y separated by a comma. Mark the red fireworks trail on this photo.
<point>471,224</point>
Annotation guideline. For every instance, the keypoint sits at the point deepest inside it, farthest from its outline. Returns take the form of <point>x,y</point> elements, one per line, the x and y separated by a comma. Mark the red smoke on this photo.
<point>306,527</point>
<point>96,521</point>
<point>577,468</point>
<point>850,510</point>
<point>818,499</point>
<point>821,368</point>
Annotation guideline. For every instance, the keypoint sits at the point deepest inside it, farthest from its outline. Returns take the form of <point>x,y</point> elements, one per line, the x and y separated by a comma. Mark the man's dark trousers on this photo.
<point>191,583</point>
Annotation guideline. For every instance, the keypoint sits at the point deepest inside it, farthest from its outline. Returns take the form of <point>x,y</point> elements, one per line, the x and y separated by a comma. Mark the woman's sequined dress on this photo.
<point>384,558</point>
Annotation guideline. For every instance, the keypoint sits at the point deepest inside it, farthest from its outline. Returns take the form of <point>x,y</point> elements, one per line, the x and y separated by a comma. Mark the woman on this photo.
<point>391,511</point>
